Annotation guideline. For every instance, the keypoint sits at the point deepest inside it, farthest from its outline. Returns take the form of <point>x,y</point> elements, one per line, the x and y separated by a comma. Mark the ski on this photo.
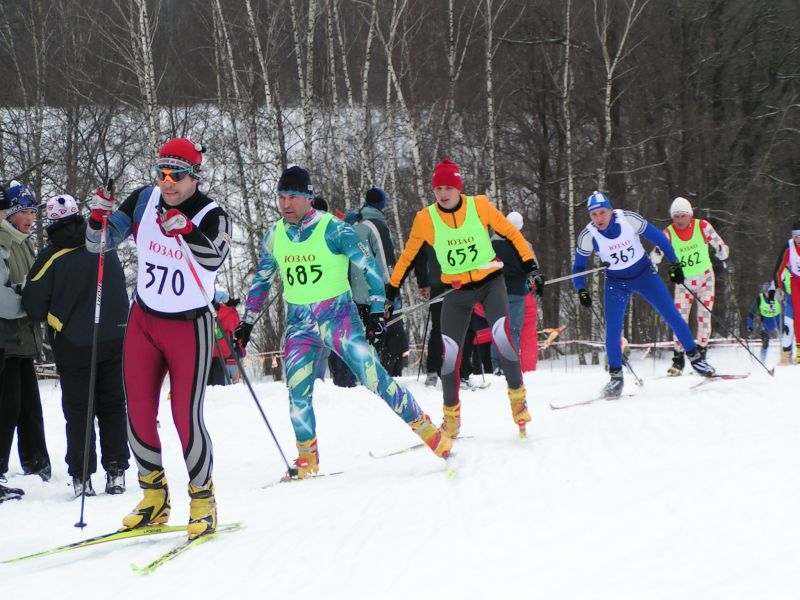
<point>469,385</point>
<point>590,401</point>
<point>723,377</point>
<point>285,479</point>
<point>410,448</point>
<point>100,539</point>
<point>185,545</point>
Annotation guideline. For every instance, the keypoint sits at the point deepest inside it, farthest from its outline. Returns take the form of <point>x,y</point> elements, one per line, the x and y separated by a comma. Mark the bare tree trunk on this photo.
<point>337,120</point>
<point>489,52</point>
<point>305,73</point>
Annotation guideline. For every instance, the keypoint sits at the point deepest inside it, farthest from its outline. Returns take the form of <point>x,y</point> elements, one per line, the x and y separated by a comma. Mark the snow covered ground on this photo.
<point>670,494</point>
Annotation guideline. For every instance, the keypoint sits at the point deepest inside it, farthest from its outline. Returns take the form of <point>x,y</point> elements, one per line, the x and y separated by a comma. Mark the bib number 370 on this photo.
<point>176,279</point>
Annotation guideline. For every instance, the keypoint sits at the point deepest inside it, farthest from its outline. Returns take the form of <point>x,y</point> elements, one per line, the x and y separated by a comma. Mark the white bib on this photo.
<point>620,252</point>
<point>164,281</point>
<point>794,259</point>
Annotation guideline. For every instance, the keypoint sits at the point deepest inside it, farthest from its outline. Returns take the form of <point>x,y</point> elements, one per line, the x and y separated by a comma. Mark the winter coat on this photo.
<point>513,271</point>
<point>10,304</point>
<point>358,283</point>
<point>229,317</point>
<point>61,289</point>
<point>23,334</point>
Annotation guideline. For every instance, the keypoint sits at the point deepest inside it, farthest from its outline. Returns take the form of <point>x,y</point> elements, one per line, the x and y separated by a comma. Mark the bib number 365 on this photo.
<point>160,275</point>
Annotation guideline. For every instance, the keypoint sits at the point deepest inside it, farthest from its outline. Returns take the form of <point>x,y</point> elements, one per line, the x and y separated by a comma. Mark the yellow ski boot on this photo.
<point>307,461</point>
<point>519,410</point>
<point>433,437</point>
<point>202,510</point>
<point>451,424</point>
<point>153,509</point>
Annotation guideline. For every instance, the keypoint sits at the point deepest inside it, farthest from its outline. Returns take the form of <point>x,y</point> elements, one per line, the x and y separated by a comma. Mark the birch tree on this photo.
<point>304,55</point>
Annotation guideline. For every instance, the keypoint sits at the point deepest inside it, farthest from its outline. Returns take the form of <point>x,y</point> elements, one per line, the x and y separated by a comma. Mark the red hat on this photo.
<point>182,150</point>
<point>447,173</point>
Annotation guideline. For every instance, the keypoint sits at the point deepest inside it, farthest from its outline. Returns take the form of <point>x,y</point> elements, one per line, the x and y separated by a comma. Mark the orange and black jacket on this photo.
<point>422,232</point>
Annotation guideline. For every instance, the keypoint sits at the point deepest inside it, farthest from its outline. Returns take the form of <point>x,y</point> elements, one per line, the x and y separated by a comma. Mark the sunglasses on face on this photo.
<point>173,175</point>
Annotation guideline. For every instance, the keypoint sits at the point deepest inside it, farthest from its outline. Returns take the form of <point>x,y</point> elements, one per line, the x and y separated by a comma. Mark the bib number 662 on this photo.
<point>176,279</point>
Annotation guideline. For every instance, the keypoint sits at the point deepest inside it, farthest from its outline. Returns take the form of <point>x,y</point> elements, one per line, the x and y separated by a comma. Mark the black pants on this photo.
<point>433,361</point>
<point>109,410</point>
<point>21,410</point>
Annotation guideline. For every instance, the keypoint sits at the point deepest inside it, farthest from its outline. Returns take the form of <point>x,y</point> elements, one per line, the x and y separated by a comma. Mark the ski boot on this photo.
<point>786,356</point>
<point>431,379</point>
<point>307,461</point>
<point>451,423</point>
<point>613,389</point>
<point>153,509</point>
<point>77,487</point>
<point>519,410</point>
<point>115,480</point>
<point>699,363</point>
<point>678,362</point>
<point>432,436</point>
<point>202,510</point>
<point>7,493</point>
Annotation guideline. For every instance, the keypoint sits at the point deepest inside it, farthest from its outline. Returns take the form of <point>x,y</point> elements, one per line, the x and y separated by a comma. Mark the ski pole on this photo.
<point>93,364</point>
<point>291,470</point>
<point>728,331</point>
<point>625,361</point>
<point>424,339</point>
<point>402,312</point>
<point>574,275</point>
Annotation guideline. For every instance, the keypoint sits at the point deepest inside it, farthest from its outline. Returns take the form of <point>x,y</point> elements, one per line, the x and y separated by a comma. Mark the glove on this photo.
<point>771,296</point>
<point>723,253</point>
<point>391,293</point>
<point>656,256</point>
<point>585,297</point>
<point>535,278</point>
<point>376,327</point>
<point>101,205</point>
<point>748,323</point>
<point>242,333</point>
<point>174,223</point>
<point>676,273</point>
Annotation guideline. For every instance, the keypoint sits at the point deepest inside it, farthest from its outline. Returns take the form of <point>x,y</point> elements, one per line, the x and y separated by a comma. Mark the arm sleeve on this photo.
<point>342,238</point>
<point>715,241</point>
<point>655,236</point>
<point>421,232</point>
<point>783,261</point>
<point>120,224</point>
<point>38,291</point>
<point>421,269</point>
<point>583,251</point>
<point>262,280</point>
<point>210,242</point>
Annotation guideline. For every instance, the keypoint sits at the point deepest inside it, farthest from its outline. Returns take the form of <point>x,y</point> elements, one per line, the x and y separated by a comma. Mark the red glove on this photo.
<point>174,223</point>
<point>101,204</point>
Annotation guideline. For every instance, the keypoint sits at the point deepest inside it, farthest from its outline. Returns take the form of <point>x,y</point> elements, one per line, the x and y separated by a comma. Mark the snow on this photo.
<point>668,494</point>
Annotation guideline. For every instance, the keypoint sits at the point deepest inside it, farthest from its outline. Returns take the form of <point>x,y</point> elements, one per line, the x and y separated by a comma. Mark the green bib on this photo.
<point>787,280</point>
<point>310,271</point>
<point>765,309</point>
<point>462,249</point>
<point>693,253</point>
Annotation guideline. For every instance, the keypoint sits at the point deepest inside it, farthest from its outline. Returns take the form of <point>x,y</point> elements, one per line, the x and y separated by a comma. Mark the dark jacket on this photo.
<point>23,336</point>
<point>513,270</point>
<point>62,288</point>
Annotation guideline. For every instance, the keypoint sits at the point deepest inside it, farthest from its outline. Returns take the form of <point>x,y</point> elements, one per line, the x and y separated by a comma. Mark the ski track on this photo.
<point>669,494</point>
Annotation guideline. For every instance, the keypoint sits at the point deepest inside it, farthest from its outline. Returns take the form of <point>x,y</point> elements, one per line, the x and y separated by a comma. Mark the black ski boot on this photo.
<point>678,362</point>
<point>115,479</point>
<point>613,388</point>
<point>7,493</point>
<point>77,487</point>
<point>699,362</point>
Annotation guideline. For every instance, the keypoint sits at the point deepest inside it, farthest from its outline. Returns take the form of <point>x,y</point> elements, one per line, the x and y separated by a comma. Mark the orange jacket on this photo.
<point>422,231</point>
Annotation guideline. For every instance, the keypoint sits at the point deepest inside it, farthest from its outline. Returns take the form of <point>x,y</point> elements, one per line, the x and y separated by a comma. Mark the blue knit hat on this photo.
<point>598,200</point>
<point>20,197</point>
<point>376,197</point>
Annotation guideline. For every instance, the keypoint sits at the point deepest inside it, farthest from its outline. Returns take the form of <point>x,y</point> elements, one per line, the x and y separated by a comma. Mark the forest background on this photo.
<point>539,101</point>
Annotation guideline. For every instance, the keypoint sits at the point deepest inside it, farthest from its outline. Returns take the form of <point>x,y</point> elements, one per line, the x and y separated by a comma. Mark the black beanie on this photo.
<point>796,226</point>
<point>376,198</point>
<point>319,203</point>
<point>295,180</point>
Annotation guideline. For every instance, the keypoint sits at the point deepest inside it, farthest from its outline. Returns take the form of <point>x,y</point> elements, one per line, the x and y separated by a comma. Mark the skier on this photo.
<point>614,235</point>
<point>456,226</point>
<point>170,329</point>
<point>61,289</point>
<point>790,258</point>
<point>229,318</point>
<point>312,250</point>
<point>10,310</point>
<point>787,318</point>
<point>20,403</point>
<point>768,308</point>
<point>691,238</point>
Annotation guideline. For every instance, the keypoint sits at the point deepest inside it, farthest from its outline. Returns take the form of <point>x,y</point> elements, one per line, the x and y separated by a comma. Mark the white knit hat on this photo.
<point>515,218</point>
<point>61,207</point>
<point>681,205</point>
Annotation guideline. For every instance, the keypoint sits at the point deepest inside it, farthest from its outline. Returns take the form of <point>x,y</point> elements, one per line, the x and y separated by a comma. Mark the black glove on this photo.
<point>535,279</point>
<point>676,273</point>
<point>391,293</point>
<point>376,327</point>
<point>242,333</point>
<point>585,297</point>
